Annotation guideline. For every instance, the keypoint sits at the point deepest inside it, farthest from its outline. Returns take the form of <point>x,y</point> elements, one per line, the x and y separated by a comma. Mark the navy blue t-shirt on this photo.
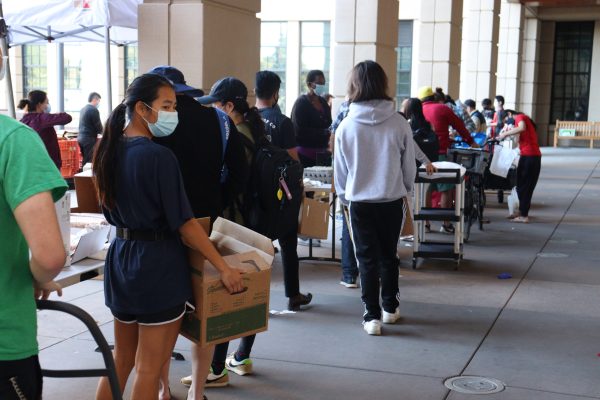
<point>145,277</point>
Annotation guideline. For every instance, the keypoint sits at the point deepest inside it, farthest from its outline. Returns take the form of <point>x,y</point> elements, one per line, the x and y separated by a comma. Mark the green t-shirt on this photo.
<point>25,170</point>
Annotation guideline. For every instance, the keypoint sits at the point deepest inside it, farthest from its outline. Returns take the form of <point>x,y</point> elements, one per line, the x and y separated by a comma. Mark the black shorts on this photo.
<point>21,379</point>
<point>159,318</point>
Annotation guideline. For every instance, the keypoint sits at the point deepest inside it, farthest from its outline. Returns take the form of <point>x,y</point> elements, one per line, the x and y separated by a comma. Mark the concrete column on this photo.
<point>364,30</point>
<point>292,91</point>
<point>529,68</point>
<point>439,49</point>
<point>205,39</point>
<point>544,83</point>
<point>481,26</point>
<point>512,17</point>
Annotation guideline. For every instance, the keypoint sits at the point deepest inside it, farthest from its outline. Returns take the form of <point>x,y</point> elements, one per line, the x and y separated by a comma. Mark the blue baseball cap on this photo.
<point>176,76</point>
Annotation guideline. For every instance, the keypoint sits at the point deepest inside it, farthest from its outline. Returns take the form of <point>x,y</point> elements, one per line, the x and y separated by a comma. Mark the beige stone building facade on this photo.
<point>542,56</point>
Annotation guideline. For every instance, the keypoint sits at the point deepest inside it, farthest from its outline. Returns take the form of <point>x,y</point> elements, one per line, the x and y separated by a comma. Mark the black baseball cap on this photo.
<point>176,76</point>
<point>226,89</point>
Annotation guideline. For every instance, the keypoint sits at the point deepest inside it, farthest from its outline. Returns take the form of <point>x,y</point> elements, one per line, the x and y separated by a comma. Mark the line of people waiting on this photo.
<point>146,169</point>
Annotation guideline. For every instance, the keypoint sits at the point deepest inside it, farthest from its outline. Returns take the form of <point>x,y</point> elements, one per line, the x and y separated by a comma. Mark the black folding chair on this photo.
<point>89,322</point>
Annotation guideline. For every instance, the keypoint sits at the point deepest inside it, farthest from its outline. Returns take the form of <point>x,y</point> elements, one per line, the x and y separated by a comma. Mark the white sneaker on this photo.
<point>350,283</point>
<point>242,368</point>
<point>372,327</point>
<point>391,318</point>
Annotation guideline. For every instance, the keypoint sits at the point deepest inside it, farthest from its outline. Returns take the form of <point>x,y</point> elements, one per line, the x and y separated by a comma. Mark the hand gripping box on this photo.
<point>220,316</point>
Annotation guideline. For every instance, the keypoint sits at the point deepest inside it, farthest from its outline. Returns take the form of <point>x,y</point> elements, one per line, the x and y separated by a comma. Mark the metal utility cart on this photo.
<point>423,248</point>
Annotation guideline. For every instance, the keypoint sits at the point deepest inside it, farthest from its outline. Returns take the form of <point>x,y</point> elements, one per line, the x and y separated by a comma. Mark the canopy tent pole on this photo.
<point>7,78</point>
<point>108,74</point>
<point>60,75</point>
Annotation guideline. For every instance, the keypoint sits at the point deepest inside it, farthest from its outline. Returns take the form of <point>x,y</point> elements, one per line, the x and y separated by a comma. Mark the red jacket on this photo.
<point>43,124</point>
<point>441,117</point>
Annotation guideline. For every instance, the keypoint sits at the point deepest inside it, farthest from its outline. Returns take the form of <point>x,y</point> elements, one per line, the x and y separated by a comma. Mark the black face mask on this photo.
<point>510,121</point>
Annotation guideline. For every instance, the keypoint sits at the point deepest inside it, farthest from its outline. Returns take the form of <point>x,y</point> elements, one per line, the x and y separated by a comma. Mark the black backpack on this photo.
<point>479,116</point>
<point>428,142</point>
<point>271,202</point>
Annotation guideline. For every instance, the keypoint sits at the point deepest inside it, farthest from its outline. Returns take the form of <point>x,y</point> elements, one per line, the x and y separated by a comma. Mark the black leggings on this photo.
<point>21,379</point>
<point>528,172</point>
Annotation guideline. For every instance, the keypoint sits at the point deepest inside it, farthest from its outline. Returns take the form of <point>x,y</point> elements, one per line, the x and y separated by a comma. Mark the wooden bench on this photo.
<point>584,130</point>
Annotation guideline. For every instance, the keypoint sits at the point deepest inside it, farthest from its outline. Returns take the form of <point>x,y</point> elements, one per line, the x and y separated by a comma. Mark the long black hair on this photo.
<point>414,113</point>
<point>34,98</point>
<point>252,117</point>
<point>515,112</point>
<point>144,88</point>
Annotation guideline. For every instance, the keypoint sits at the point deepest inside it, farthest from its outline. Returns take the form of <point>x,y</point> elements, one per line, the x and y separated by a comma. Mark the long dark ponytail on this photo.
<point>414,113</point>
<point>144,88</point>
<point>252,117</point>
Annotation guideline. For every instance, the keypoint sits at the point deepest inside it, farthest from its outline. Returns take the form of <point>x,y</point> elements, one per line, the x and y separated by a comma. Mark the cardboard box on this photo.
<point>220,316</point>
<point>63,214</point>
<point>87,242</point>
<point>314,221</point>
<point>87,199</point>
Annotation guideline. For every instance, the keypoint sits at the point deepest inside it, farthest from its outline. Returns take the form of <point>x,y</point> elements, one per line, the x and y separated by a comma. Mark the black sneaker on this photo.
<point>298,300</point>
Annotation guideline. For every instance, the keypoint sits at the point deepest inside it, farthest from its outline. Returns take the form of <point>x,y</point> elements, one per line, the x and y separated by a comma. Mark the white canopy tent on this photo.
<point>47,21</point>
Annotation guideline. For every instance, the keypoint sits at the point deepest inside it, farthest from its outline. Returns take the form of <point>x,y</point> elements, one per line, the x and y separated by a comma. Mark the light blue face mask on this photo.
<point>165,124</point>
<point>319,89</point>
<point>48,109</point>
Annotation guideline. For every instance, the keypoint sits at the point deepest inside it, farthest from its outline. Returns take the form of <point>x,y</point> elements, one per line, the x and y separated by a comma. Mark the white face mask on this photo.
<point>165,124</point>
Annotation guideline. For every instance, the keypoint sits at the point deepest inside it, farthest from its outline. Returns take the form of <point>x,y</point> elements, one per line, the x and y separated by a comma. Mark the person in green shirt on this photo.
<point>29,185</point>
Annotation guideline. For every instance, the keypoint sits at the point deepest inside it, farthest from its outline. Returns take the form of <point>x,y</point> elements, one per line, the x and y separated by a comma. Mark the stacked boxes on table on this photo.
<point>321,174</point>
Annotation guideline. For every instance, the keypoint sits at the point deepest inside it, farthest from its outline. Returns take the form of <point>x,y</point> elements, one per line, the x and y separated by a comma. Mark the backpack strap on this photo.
<point>225,128</point>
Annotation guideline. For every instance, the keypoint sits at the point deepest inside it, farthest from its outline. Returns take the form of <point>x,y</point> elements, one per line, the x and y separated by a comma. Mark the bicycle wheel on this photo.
<point>468,212</point>
<point>481,206</point>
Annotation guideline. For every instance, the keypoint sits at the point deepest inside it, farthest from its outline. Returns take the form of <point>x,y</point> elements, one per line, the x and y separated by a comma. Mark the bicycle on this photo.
<point>475,161</point>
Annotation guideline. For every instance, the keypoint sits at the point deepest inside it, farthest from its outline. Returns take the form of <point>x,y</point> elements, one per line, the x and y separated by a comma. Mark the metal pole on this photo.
<point>60,75</point>
<point>108,74</point>
<point>8,78</point>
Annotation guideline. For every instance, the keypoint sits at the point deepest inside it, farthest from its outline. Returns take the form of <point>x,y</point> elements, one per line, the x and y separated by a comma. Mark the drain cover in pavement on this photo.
<point>553,255</point>
<point>474,385</point>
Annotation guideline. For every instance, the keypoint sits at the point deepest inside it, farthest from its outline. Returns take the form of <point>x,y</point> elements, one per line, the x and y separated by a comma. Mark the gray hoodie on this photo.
<point>374,154</point>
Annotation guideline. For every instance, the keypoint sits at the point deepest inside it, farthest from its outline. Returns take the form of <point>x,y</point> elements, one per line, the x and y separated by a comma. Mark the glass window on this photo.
<point>72,71</point>
<point>73,96</point>
<point>131,63</point>
<point>572,66</point>
<point>273,52</point>
<point>315,38</point>
<point>404,60</point>
<point>34,68</point>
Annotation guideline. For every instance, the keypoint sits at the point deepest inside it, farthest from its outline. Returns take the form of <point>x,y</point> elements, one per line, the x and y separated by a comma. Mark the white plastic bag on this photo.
<point>513,201</point>
<point>503,158</point>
